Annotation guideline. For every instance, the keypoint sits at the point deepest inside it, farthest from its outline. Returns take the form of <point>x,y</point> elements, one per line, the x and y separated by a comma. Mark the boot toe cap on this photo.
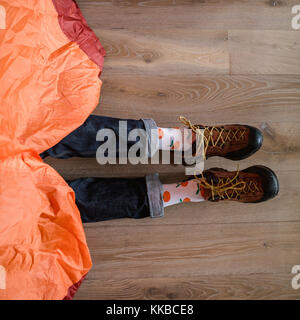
<point>255,142</point>
<point>270,184</point>
<point>255,139</point>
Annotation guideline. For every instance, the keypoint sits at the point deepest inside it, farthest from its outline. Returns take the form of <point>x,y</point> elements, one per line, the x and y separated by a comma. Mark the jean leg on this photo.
<point>82,142</point>
<point>100,199</point>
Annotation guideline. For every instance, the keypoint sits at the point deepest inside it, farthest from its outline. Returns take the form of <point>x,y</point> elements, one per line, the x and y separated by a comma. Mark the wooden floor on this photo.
<point>218,61</point>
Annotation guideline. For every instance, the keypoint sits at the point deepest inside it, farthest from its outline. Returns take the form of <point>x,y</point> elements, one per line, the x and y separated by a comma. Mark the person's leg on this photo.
<point>82,142</point>
<point>100,199</point>
<point>233,142</point>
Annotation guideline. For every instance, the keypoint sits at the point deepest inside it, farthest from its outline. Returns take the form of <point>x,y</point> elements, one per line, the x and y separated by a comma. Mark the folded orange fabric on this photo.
<point>50,62</point>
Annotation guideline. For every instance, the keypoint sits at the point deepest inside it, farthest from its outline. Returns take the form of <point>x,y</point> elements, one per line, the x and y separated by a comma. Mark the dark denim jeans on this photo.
<point>82,142</point>
<point>100,199</point>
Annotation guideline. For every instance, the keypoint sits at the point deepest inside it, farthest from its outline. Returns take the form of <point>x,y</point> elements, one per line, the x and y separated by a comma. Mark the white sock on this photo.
<point>173,139</point>
<point>186,191</point>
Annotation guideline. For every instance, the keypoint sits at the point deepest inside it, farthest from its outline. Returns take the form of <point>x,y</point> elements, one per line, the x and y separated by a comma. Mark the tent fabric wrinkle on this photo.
<point>49,73</point>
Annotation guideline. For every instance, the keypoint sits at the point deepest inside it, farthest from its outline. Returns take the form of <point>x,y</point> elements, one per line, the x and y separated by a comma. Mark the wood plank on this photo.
<point>205,52</point>
<point>76,168</point>
<point>264,52</point>
<point>205,99</point>
<point>191,251</point>
<point>165,51</point>
<point>250,287</point>
<point>216,15</point>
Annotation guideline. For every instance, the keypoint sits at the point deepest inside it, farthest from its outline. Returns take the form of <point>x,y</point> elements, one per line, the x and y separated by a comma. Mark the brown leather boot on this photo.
<point>234,141</point>
<point>255,184</point>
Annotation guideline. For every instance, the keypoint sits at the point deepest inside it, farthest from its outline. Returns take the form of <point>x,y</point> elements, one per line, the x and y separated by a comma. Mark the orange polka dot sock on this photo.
<point>173,139</point>
<point>186,191</point>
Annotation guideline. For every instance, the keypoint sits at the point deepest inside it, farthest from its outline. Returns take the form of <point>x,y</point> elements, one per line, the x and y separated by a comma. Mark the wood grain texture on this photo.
<point>264,52</point>
<point>231,287</point>
<point>205,99</point>
<point>191,250</point>
<point>220,61</point>
<point>185,51</point>
<point>161,52</point>
<point>215,15</point>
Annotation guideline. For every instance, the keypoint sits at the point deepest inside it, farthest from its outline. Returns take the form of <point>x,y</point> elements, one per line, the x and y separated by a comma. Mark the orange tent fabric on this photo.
<point>50,63</point>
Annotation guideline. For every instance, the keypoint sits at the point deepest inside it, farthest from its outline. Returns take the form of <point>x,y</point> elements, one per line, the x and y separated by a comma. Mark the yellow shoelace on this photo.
<point>224,185</point>
<point>222,188</point>
<point>230,135</point>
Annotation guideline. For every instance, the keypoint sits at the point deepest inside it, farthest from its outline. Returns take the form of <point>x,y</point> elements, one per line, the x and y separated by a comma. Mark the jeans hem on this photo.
<point>155,195</point>
<point>152,135</point>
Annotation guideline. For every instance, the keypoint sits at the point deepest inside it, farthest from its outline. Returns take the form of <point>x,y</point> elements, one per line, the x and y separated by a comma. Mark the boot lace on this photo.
<point>206,134</point>
<point>227,188</point>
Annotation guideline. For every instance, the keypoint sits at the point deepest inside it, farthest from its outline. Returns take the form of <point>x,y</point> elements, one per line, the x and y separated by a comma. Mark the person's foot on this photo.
<point>254,184</point>
<point>234,142</point>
